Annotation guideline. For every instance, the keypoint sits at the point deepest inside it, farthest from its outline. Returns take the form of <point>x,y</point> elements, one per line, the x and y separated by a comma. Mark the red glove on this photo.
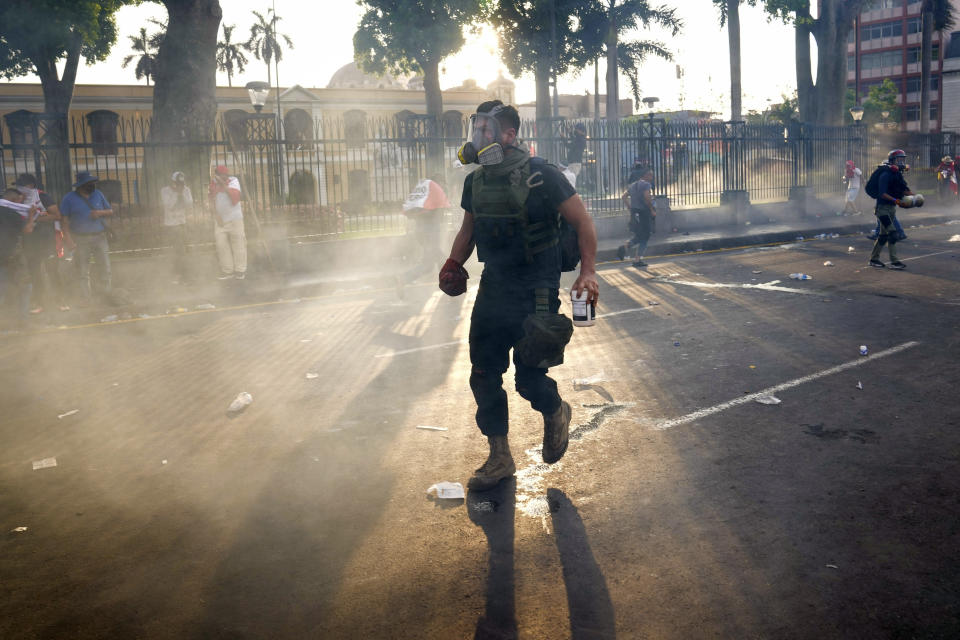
<point>453,278</point>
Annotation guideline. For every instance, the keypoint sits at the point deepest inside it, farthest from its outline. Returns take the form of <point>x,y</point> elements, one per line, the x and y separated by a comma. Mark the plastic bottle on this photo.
<point>240,402</point>
<point>800,276</point>
<point>583,311</point>
<point>863,349</point>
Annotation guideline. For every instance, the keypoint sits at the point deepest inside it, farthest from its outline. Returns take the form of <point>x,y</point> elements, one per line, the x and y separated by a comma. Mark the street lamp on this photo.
<point>650,101</point>
<point>258,92</point>
<point>885,114</point>
<point>856,112</point>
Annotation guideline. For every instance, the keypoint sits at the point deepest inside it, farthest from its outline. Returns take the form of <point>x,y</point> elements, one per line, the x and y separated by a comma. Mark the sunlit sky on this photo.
<point>322,34</point>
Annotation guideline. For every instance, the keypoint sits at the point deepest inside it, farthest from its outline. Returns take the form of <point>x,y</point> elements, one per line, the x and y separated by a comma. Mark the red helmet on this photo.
<point>897,157</point>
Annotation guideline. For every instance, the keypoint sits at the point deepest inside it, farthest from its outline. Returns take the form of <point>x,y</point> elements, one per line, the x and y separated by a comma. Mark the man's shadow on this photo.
<point>493,511</point>
<point>588,600</point>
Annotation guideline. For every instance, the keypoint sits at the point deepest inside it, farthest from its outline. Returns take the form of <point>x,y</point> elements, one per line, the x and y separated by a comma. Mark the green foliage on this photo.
<point>404,36</point>
<point>145,49</point>
<point>722,8</point>
<point>230,55</point>
<point>36,34</point>
<point>943,13</point>
<point>264,41</point>
<point>880,98</point>
<point>786,113</point>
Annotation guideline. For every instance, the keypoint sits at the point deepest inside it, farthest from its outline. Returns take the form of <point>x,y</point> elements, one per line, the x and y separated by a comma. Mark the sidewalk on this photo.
<point>356,265</point>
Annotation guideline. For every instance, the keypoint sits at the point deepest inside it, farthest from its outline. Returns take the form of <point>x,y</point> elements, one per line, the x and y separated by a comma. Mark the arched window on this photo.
<point>102,127</point>
<point>22,125</point>
<point>355,128</point>
<point>235,121</point>
<point>298,129</point>
<point>303,188</point>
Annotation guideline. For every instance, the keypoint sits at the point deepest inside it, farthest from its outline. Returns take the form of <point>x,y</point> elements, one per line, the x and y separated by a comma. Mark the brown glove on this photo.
<point>453,278</point>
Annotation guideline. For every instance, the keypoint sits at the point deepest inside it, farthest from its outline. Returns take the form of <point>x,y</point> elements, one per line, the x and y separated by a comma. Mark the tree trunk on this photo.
<point>831,66</point>
<point>596,89</point>
<point>926,52</point>
<point>733,34</point>
<point>542,79</point>
<point>805,89</point>
<point>184,94</point>
<point>431,87</point>
<point>613,68</point>
<point>57,96</point>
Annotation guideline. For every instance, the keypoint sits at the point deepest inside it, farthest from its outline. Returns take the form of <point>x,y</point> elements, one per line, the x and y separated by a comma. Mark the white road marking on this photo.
<point>427,348</point>
<point>723,406</point>
<point>723,285</point>
<point>927,255</point>
<point>617,313</point>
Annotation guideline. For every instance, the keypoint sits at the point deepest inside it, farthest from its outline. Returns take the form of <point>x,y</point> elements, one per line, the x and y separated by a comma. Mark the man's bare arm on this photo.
<point>575,213</point>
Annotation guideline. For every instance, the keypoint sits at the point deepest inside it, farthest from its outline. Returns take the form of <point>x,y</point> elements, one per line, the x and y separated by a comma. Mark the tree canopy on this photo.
<point>264,41</point>
<point>412,36</point>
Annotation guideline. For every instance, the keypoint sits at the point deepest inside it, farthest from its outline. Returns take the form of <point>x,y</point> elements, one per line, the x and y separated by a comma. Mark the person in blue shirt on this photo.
<point>83,211</point>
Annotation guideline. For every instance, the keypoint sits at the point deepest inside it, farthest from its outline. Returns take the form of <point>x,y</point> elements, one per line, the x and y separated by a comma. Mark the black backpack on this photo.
<point>568,239</point>
<point>873,184</point>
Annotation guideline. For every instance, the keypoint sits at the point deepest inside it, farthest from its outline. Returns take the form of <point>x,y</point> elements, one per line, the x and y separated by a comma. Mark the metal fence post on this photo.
<point>733,164</point>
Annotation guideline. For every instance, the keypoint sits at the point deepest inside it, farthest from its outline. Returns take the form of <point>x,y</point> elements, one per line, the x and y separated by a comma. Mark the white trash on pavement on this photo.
<point>448,490</point>
<point>68,414</point>
<point>768,399</point>
<point>46,463</point>
<point>240,403</point>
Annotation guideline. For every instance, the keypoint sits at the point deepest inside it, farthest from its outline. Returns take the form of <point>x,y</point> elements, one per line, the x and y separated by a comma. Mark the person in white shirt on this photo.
<point>852,178</point>
<point>177,201</point>
<point>228,228</point>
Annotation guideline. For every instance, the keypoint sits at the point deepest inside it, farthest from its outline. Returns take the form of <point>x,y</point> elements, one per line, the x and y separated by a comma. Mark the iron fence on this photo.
<point>327,178</point>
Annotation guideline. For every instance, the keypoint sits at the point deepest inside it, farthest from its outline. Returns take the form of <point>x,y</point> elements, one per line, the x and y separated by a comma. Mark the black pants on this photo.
<point>495,327</point>
<point>42,258</point>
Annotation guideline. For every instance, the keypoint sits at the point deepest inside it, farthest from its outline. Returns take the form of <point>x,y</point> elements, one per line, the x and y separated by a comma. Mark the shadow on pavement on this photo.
<point>588,600</point>
<point>493,511</point>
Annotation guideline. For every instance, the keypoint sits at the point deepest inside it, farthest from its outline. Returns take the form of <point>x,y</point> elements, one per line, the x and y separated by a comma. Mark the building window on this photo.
<point>912,112</point>
<point>22,126</point>
<point>934,113</point>
<point>354,128</point>
<point>914,25</point>
<point>873,5</point>
<point>453,127</point>
<point>298,129</point>
<point>913,84</point>
<point>103,132</point>
<point>913,53</point>
<point>882,30</point>
<point>881,60</point>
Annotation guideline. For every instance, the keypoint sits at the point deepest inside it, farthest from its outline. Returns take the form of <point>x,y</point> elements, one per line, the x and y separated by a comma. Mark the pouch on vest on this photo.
<point>500,216</point>
<point>545,336</point>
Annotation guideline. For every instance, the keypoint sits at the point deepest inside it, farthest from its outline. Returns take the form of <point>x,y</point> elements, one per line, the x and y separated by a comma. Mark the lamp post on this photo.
<point>856,112</point>
<point>885,114</point>
<point>261,142</point>
<point>258,92</point>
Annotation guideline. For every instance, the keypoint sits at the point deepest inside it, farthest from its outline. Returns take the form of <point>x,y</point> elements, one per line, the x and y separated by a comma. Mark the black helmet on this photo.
<point>897,157</point>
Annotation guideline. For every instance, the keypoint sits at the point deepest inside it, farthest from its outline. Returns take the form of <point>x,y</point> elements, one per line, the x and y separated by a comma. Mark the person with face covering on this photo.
<point>16,221</point>
<point>513,205</point>
<point>83,211</point>
<point>177,201</point>
<point>44,247</point>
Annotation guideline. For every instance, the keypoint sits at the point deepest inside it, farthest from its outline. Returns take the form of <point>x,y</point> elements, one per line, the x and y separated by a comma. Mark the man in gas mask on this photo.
<point>514,206</point>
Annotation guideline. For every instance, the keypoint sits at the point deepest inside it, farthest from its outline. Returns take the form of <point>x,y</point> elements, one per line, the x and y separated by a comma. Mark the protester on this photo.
<point>643,214</point>
<point>852,179</point>
<point>891,187</point>
<point>947,177</point>
<point>177,201</point>
<point>425,208</point>
<point>228,224</point>
<point>83,211</point>
<point>44,247</point>
<point>16,220</point>
<point>512,208</point>
<point>575,148</point>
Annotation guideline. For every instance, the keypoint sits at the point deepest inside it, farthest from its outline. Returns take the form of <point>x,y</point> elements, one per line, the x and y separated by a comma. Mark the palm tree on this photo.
<point>145,53</point>
<point>264,41</point>
<point>937,15</point>
<point>230,55</point>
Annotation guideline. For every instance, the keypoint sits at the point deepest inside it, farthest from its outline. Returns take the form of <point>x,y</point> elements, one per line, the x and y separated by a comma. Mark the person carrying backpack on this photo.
<point>515,208</point>
<point>888,186</point>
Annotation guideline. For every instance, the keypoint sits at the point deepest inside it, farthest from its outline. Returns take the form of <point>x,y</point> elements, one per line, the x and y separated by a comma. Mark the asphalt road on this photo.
<point>684,507</point>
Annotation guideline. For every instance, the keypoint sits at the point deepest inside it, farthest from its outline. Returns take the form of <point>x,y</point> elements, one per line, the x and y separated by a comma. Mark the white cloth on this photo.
<point>228,211</point>
<point>231,246</point>
<point>175,205</point>
<point>854,183</point>
<point>22,209</point>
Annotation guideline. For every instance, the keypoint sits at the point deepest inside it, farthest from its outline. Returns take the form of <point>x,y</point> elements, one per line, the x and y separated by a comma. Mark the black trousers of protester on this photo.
<point>40,258</point>
<point>495,327</point>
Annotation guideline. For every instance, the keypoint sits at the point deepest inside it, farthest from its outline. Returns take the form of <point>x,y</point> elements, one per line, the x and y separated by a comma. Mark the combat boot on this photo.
<point>497,467</point>
<point>556,433</point>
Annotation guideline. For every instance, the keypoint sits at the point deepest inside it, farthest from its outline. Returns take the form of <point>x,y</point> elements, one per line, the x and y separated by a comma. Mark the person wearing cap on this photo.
<point>177,201</point>
<point>852,179</point>
<point>83,211</point>
<point>228,228</point>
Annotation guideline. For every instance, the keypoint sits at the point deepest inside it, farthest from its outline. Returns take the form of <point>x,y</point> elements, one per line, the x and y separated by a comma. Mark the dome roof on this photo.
<point>501,82</point>
<point>349,76</point>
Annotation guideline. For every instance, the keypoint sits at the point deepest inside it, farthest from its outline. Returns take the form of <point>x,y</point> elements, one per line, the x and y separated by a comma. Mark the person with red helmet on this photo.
<point>891,190</point>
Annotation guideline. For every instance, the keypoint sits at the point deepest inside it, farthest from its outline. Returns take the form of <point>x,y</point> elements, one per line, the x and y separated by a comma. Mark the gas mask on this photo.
<point>484,146</point>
